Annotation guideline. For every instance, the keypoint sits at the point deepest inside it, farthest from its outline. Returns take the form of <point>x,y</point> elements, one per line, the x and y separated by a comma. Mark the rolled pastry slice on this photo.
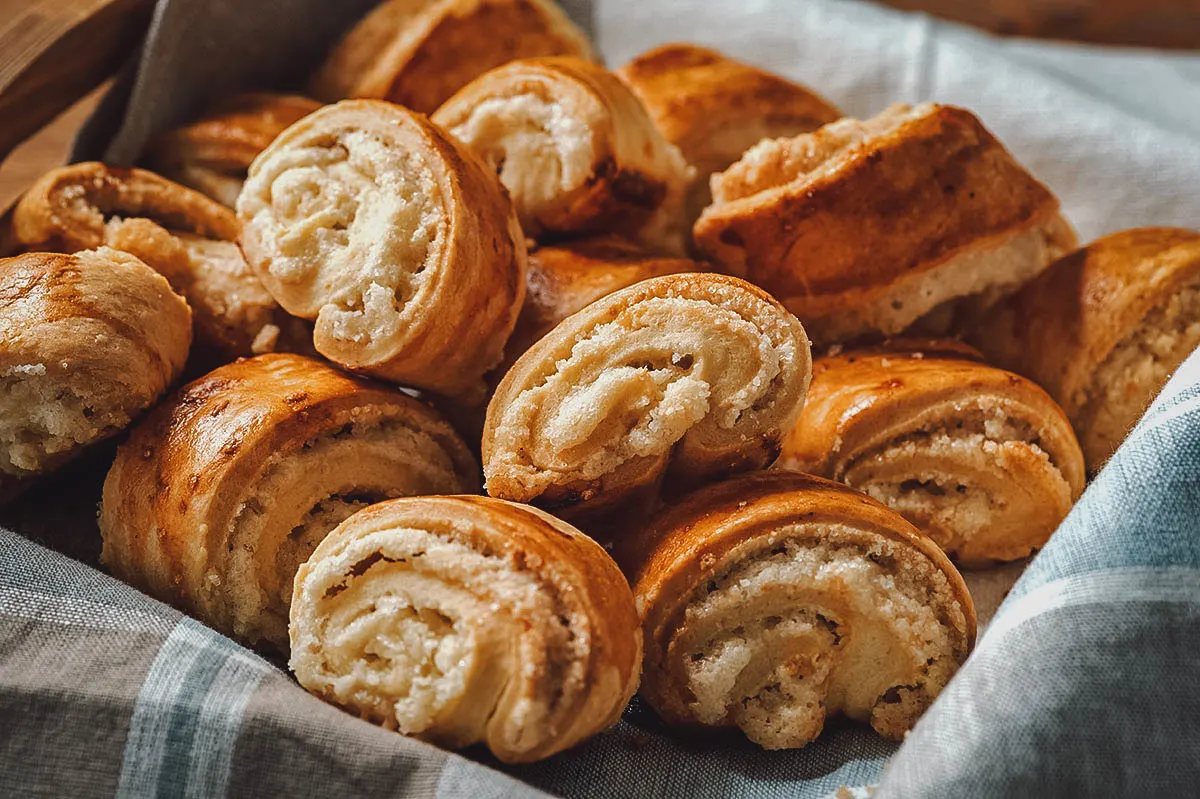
<point>87,342</point>
<point>213,153</point>
<point>419,52</point>
<point>776,600</point>
<point>870,227</point>
<point>465,620</point>
<point>566,278</point>
<point>575,148</point>
<point>226,488</point>
<point>176,231</point>
<point>688,377</point>
<point>983,461</point>
<point>1103,329</point>
<point>714,108</point>
<point>395,239</point>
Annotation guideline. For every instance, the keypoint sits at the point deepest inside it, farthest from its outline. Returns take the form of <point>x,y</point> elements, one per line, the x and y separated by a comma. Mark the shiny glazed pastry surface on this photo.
<point>684,377</point>
<point>575,148</point>
<point>774,601</point>
<point>714,108</point>
<point>180,233</point>
<point>870,226</point>
<point>226,488</point>
<point>87,342</point>
<point>212,154</point>
<point>465,620</point>
<point>419,52</point>
<point>1103,328</point>
<point>399,242</point>
<point>982,460</point>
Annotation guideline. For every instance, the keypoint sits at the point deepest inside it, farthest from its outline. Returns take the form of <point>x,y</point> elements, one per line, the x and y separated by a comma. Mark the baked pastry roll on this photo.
<point>419,52</point>
<point>213,153</point>
<point>1103,328</point>
<point>566,278</point>
<point>775,600</point>
<point>394,238</point>
<point>180,233</point>
<point>983,461</point>
<point>87,342</point>
<point>714,108</point>
<point>575,148</point>
<point>867,227</point>
<point>226,488</point>
<point>467,620</point>
<point>684,377</point>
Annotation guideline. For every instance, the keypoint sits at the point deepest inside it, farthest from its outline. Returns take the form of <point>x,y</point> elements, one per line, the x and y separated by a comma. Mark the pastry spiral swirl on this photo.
<point>575,148</point>
<point>467,619</point>
<point>180,233</point>
<point>1103,329</point>
<point>566,278</point>
<point>871,226</point>
<point>222,492</point>
<point>397,241</point>
<point>687,376</point>
<point>87,342</point>
<point>419,52</point>
<point>213,153</point>
<point>982,460</point>
<point>775,600</point>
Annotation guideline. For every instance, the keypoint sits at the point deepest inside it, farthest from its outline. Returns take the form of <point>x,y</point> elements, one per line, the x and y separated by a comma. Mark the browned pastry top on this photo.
<point>860,397</point>
<point>231,133</point>
<point>1064,324</point>
<point>260,403</point>
<point>693,92</point>
<point>419,52</point>
<point>55,308</point>
<point>906,197</point>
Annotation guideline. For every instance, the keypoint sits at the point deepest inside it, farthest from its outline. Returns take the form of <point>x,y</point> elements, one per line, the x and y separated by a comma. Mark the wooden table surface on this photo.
<point>54,50</point>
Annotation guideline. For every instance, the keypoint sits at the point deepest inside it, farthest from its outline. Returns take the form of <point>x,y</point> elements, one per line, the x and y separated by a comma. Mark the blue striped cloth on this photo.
<point>1083,684</point>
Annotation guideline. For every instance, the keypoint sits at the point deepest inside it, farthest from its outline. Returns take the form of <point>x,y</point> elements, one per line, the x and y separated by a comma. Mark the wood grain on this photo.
<point>44,150</point>
<point>53,52</point>
<point>1149,23</point>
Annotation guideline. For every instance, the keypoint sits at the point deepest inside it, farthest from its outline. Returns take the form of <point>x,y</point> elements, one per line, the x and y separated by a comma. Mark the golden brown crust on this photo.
<point>87,342</point>
<point>984,461</point>
<point>397,240</point>
<point>714,108</point>
<point>575,148</point>
<point>88,205</point>
<point>213,153</point>
<point>579,643</point>
<point>67,208</point>
<point>867,226</point>
<point>566,278</point>
<point>237,477</point>
<point>419,52</point>
<point>696,542</point>
<point>689,377</point>
<point>1064,326</point>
